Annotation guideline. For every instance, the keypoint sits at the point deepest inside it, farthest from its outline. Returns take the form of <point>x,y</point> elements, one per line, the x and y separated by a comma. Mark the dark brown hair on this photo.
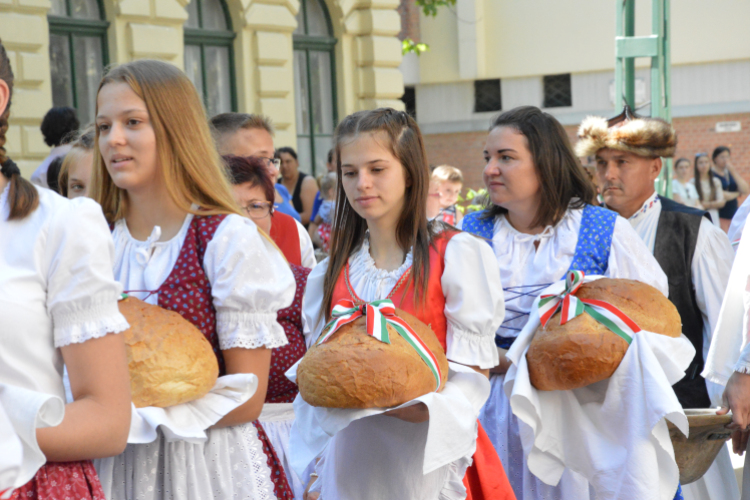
<point>412,231</point>
<point>22,195</point>
<point>251,169</point>
<point>563,181</point>
<point>698,180</point>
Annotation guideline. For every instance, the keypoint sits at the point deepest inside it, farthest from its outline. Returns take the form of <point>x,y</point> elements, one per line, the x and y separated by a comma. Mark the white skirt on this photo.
<point>230,465</point>
<point>277,420</point>
<point>502,428</point>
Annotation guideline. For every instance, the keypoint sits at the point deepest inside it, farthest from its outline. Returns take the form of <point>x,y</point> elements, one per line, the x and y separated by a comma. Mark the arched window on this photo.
<point>314,85</point>
<point>209,58</point>
<point>77,53</point>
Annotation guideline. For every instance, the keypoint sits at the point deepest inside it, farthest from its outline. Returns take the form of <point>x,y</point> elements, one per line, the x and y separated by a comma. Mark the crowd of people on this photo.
<point>208,218</point>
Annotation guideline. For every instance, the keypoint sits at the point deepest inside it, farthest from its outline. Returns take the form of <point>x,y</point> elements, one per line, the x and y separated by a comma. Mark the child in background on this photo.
<point>450,181</point>
<point>327,210</point>
<point>74,178</point>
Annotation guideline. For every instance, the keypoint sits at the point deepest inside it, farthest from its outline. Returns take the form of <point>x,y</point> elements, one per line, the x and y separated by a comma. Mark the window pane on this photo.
<point>557,91</point>
<point>58,8</point>
<point>192,10</point>
<point>89,66</point>
<point>322,144</point>
<point>213,15</point>
<point>322,92</point>
<point>218,80</point>
<point>304,154</point>
<point>193,67</point>
<point>85,9</point>
<point>487,96</point>
<point>301,96</point>
<point>316,19</point>
<point>59,61</point>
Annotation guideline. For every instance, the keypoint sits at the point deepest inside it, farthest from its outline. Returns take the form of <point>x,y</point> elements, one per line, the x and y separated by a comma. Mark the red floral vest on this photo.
<point>432,311</point>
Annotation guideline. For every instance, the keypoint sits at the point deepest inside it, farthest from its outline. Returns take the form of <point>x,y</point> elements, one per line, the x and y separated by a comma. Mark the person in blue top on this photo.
<point>243,134</point>
<point>732,184</point>
<point>541,223</point>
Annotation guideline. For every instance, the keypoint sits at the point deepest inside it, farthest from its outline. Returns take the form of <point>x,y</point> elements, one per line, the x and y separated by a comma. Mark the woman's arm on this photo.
<point>96,424</point>
<point>742,184</point>
<point>307,194</point>
<point>504,365</point>
<point>257,361</point>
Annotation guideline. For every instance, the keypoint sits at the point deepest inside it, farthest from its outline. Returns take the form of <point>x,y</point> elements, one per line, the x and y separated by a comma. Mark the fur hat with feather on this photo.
<point>650,137</point>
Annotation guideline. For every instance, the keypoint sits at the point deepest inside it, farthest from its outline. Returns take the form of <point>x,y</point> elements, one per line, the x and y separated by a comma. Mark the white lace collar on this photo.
<point>365,264</point>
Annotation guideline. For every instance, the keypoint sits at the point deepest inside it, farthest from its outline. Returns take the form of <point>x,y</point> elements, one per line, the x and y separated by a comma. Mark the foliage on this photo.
<point>410,45</point>
<point>475,199</point>
<point>429,9</point>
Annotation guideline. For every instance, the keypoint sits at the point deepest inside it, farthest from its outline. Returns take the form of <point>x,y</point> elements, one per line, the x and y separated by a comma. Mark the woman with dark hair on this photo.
<point>382,247</point>
<point>254,192</point>
<point>302,186</point>
<point>732,184</point>
<point>58,128</point>
<point>541,223</point>
<point>708,187</point>
<point>58,307</point>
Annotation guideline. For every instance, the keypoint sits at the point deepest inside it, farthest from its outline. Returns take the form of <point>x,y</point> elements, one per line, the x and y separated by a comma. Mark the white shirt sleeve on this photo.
<point>82,293</point>
<point>474,304</point>
<point>311,302</point>
<point>738,222</point>
<point>250,282</point>
<point>307,252</point>
<point>629,258</point>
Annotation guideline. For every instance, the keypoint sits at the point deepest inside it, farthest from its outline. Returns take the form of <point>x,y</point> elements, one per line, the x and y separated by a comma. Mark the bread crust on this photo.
<point>169,359</point>
<point>354,370</point>
<point>584,351</point>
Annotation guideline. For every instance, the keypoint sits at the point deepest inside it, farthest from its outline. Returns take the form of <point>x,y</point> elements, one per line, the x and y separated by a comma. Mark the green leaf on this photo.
<point>430,7</point>
<point>409,45</point>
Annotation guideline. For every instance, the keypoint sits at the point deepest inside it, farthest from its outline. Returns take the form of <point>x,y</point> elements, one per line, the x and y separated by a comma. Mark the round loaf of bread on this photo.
<point>584,351</point>
<point>169,359</point>
<point>354,370</point>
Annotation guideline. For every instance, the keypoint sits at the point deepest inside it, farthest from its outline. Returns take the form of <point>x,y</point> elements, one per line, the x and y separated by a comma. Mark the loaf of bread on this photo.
<point>169,359</point>
<point>584,351</point>
<point>354,370</point>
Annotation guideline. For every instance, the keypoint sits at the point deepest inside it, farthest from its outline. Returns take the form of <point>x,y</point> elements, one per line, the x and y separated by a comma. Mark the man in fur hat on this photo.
<point>695,255</point>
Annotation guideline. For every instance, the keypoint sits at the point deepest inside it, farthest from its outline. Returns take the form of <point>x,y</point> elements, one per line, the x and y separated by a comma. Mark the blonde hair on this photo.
<point>328,182</point>
<point>192,168</point>
<point>446,173</point>
<point>79,148</point>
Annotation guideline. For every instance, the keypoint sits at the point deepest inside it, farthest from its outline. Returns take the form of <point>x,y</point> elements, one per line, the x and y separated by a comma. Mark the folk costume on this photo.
<point>738,223</point>
<point>223,276</point>
<point>366,455</point>
<point>696,257</point>
<point>292,239</point>
<point>591,239</point>
<point>56,289</point>
<point>278,413</point>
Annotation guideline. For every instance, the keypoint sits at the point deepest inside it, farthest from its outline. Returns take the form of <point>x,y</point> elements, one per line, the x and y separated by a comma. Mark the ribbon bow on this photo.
<point>379,315</point>
<point>572,306</point>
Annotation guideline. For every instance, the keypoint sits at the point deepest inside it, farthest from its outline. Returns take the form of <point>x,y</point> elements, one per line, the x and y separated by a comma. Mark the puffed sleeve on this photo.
<point>82,293</point>
<point>474,304</point>
<point>311,302</point>
<point>631,259</point>
<point>250,282</point>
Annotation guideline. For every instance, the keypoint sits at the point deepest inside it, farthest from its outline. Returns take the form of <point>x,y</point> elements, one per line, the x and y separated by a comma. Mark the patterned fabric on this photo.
<point>324,232</point>
<point>477,223</point>
<point>448,215</point>
<point>187,289</point>
<point>678,495</point>
<point>646,207</point>
<point>62,481</point>
<point>594,240</point>
<point>280,388</point>
<point>280,484</point>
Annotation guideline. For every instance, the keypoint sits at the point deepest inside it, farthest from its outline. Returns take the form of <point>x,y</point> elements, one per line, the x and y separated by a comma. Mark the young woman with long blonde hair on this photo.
<point>181,243</point>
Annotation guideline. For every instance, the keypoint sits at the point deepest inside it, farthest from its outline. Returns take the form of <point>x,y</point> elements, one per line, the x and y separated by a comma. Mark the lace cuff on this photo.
<point>470,348</point>
<point>249,330</point>
<point>79,324</point>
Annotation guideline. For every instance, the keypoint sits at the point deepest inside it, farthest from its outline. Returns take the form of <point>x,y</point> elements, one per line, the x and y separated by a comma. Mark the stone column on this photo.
<point>25,35</point>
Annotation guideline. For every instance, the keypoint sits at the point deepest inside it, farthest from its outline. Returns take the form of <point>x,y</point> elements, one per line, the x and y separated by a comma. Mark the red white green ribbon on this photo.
<point>379,315</point>
<point>571,306</point>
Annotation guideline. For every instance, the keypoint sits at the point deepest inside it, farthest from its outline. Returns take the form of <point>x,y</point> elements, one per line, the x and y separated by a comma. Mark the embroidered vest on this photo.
<point>432,311</point>
<point>187,290</point>
<point>280,388</point>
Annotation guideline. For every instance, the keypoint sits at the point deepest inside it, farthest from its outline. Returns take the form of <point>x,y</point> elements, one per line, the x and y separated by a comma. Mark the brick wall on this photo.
<point>695,134</point>
<point>409,12</point>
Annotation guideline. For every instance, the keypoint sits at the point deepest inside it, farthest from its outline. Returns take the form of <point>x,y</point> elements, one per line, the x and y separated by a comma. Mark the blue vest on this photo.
<point>592,249</point>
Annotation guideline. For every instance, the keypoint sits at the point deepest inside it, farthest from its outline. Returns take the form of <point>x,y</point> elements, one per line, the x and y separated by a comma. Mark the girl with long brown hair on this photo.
<point>58,307</point>
<point>383,247</point>
<point>708,187</point>
<point>181,244</point>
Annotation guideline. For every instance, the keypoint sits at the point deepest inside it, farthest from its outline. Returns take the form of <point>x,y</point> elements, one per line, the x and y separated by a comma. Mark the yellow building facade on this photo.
<point>303,63</point>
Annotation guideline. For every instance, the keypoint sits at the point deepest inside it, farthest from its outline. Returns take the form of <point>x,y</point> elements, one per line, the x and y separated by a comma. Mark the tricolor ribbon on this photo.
<point>379,315</point>
<point>571,306</point>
